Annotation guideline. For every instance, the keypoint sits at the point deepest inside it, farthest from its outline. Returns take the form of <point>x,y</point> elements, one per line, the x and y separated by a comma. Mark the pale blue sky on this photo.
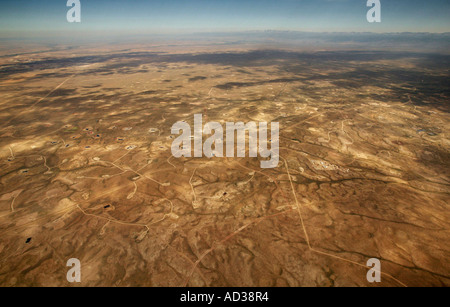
<point>225,15</point>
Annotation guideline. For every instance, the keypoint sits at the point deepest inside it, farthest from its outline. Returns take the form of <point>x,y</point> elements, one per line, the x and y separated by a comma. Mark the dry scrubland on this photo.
<point>86,168</point>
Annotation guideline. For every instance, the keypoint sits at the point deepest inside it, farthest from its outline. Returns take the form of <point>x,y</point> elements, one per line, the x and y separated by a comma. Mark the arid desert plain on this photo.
<point>86,169</point>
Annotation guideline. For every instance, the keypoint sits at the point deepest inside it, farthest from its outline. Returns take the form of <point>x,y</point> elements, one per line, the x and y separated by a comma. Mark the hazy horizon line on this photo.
<point>194,32</point>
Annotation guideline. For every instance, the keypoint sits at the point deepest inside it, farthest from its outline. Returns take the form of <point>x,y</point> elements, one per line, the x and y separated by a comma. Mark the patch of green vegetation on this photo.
<point>71,129</point>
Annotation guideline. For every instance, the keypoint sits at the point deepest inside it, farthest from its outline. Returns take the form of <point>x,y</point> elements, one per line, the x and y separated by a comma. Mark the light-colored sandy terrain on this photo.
<point>87,172</point>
